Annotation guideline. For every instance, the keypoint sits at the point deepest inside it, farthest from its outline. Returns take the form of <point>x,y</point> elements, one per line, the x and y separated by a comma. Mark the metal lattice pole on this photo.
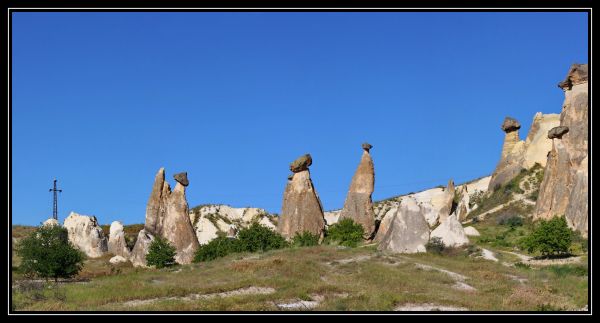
<point>55,204</point>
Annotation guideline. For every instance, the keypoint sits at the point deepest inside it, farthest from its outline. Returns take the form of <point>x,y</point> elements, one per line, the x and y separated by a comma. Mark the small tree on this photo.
<point>306,239</point>
<point>260,238</point>
<point>551,237</point>
<point>161,254</point>
<point>47,253</point>
<point>345,232</point>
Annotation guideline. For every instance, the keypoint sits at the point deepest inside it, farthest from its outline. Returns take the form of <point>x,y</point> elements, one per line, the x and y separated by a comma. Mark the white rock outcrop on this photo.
<point>117,260</point>
<point>117,245</point>
<point>451,232</point>
<point>86,234</point>
<point>140,250</point>
<point>50,222</point>
<point>407,232</point>
<point>471,232</point>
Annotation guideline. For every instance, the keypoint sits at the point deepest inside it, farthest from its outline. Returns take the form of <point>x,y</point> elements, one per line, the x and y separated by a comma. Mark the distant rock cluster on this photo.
<point>405,224</point>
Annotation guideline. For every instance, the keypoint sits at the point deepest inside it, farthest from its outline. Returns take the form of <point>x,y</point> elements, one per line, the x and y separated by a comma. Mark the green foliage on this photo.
<point>306,239</point>
<point>550,238</point>
<point>161,254</point>
<point>345,232</point>
<point>435,245</point>
<point>216,248</point>
<point>48,253</point>
<point>566,270</point>
<point>252,239</point>
<point>512,221</point>
<point>522,265</point>
<point>260,238</point>
<point>534,195</point>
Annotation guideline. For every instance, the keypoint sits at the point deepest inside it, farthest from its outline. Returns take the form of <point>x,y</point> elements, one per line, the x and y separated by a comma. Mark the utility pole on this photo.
<point>55,205</point>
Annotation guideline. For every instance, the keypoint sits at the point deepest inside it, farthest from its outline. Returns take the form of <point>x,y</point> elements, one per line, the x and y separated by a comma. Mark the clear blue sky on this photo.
<point>103,100</point>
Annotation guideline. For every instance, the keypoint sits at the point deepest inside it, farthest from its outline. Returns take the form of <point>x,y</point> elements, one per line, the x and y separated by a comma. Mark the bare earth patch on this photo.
<point>428,307</point>
<point>192,297</point>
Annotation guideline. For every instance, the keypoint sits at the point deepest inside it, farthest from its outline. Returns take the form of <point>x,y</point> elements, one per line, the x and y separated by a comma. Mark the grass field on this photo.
<point>326,277</point>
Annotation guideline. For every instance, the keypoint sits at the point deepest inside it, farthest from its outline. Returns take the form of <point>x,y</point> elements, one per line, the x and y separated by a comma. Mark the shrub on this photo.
<point>512,221</point>
<point>48,253</point>
<point>345,232</point>
<point>216,248</point>
<point>565,270</point>
<point>260,238</point>
<point>435,245</point>
<point>306,239</point>
<point>522,265</point>
<point>161,254</point>
<point>550,238</point>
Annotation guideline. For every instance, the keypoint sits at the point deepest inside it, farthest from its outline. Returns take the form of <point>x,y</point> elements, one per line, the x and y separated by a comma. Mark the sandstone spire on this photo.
<point>302,209</point>
<point>358,205</point>
<point>564,189</point>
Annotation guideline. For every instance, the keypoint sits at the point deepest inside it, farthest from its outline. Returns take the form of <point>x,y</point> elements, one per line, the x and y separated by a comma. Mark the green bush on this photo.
<point>550,238</point>
<point>161,254</point>
<point>47,253</point>
<point>260,238</point>
<point>306,239</point>
<point>216,248</point>
<point>512,221</point>
<point>345,232</point>
<point>566,270</point>
<point>435,245</point>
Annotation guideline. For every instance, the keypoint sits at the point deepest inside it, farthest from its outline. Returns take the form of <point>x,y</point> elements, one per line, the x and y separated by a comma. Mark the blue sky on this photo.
<point>103,100</point>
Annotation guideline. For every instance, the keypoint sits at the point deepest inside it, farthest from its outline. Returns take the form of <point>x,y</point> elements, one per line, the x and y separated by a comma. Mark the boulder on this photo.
<point>181,178</point>
<point>359,205</point>
<point>117,245</point>
<point>407,232</point>
<point>117,260</point>
<point>140,250</point>
<point>301,163</point>
<point>471,232</point>
<point>557,132</point>
<point>510,125</point>
<point>50,222</point>
<point>578,74</point>
<point>451,232</point>
<point>564,189</point>
<point>367,146</point>
<point>302,209</point>
<point>86,234</point>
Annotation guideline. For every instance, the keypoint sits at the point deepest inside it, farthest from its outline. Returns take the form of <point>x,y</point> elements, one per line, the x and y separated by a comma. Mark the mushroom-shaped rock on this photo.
<point>301,210</point>
<point>578,73</point>
<point>510,124</point>
<point>359,205</point>
<point>367,146</point>
<point>301,163</point>
<point>557,132</point>
<point>182,179</point>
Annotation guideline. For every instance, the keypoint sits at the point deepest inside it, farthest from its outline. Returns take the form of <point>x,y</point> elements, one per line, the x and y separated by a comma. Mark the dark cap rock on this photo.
<point>557,132</point>
<point>578,73</point>
<point>301,163</point>
<point>182,179</point>
<point>510,124</point>
<point>366,146</point>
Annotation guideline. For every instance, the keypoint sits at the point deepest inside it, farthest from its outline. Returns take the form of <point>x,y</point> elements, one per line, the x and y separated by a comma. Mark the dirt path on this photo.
<point>192,297</point>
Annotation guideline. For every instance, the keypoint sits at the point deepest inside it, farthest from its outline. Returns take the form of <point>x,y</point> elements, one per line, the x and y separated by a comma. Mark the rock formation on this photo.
<point>518,154</point>
<point>358,205</point>
<point>446,201</point>
<point>302,210</point>
<point>564,189</point>
<point>140,250</point>
<point>86,234</point>
<point>116,240</point>
<point>471,232</point>
<point>451,232</point>
<point>117,260</point>
<point>50,222</point>
<point>167,216</point>
<point>462,208</point>
<point>407,232</point>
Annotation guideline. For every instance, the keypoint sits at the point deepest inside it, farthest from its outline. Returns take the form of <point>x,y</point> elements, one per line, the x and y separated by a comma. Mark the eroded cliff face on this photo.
<point>564,189</point>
